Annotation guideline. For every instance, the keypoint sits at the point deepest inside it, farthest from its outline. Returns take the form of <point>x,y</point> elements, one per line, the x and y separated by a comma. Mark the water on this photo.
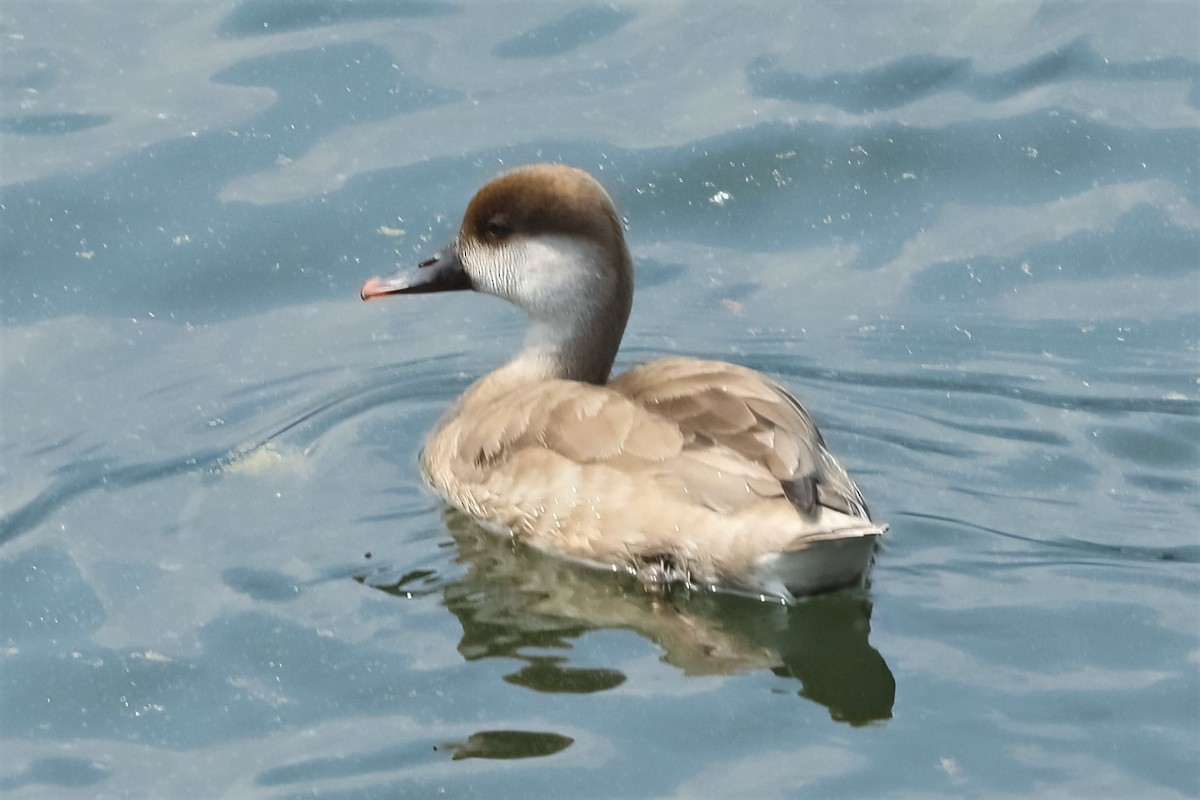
<point>966,235</point>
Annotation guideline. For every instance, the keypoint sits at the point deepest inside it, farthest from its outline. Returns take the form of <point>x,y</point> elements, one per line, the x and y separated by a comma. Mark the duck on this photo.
<point>680,470</point>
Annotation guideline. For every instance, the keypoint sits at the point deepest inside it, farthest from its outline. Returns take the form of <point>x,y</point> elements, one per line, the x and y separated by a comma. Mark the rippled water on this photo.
<point>966,235</point>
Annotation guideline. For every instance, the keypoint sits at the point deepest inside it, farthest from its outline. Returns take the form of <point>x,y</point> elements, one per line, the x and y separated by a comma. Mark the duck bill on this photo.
<point>442,273</point>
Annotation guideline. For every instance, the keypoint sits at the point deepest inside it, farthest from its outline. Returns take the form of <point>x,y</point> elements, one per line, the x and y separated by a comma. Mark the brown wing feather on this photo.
<point>589,427</point>
<point>584,423</point>
<point>716,434</point>
<point>751,415</point>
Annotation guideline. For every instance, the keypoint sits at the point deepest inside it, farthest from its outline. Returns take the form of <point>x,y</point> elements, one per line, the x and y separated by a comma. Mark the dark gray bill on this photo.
<point>442,273</point>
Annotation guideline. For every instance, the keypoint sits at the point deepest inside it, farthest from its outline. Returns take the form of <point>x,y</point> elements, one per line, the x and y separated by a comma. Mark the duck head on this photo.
<point>547,238</point>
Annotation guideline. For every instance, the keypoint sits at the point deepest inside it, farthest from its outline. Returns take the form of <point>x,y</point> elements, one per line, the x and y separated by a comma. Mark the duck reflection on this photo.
<point>514,600</point>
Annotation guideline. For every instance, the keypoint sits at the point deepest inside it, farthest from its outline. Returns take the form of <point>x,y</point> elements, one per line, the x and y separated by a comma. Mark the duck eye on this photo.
<point>498,228</point>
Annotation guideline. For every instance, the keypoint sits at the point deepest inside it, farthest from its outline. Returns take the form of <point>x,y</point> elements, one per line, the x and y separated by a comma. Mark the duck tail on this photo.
<point>833,560</point>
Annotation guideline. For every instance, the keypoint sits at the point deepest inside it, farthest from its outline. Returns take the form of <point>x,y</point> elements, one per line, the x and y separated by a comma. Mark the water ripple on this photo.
<point>1187,554</point>
<point>423,379</point>
<point>913,78</point>
<point>996,385</point>
<point>82,477</point>
<point>262,17</point>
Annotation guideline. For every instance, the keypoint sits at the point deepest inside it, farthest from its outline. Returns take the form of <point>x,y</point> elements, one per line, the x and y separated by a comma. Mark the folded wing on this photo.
<point>710,433</point>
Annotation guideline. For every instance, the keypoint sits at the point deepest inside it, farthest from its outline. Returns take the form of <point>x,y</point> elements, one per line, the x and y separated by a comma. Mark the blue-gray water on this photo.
<point>966,234</point>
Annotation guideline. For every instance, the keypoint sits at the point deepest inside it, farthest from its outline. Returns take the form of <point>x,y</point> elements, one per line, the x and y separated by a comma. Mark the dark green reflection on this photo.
<point>514,602</point>
<point>548,675</point>
<point>511,744</point>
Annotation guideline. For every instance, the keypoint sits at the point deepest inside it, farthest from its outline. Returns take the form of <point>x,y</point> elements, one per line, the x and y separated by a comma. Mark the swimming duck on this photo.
<point>678,470</point>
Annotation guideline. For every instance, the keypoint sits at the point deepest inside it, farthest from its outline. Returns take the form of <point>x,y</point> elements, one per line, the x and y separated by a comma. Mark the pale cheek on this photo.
<point>493,270</point>
<point>546,276</point>
<point>504,278</point>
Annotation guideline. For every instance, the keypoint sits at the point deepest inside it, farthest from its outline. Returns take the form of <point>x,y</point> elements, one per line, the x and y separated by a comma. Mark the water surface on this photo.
<point>966,236</point>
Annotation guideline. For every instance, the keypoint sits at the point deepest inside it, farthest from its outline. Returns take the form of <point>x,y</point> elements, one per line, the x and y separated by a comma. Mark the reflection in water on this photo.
<point>510,744</point>
<point>514,600</point>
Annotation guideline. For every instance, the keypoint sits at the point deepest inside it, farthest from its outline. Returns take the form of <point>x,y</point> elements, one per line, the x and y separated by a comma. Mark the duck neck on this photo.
<point>581,352</point>
<point>578,343</point>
